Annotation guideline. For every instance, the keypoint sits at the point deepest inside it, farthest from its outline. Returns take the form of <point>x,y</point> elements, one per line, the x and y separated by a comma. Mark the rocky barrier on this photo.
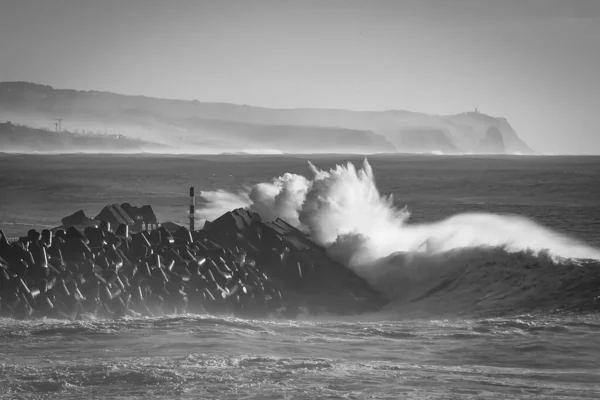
<point>237,264</point>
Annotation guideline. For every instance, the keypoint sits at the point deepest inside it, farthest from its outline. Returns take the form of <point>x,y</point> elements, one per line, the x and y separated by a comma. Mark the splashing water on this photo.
<point>218,202</point>
<point>343,210</point>
<point>345,202</point>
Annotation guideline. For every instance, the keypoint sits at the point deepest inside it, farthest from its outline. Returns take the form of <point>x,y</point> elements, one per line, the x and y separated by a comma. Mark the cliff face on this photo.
<point>229,127</point>
<point>479,125</point>
<point>492,142</point>
<point>422,140</point>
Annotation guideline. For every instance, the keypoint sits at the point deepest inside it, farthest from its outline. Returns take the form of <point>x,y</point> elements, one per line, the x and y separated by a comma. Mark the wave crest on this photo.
<point>343,210</point>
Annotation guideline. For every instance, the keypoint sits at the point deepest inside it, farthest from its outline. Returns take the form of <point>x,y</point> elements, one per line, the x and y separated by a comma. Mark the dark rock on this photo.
<point>104,225</point>
<point>47,237</point>
<point>122,231</point>
<point>184,235</point>
<point>171,227</point>
<point>74,234</point>
<point>95,237</point>
<point>78,219</point>
<point>141,216</point>
<point>115,214</point>
<point>303,269</point>
<point>492,142</point>
<point>33,236</point>
<point>236,264</point>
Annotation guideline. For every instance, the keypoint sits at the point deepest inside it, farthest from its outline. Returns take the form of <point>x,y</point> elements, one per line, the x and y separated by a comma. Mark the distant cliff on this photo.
<point>492,142</point>
<point>198,126</point>
<point>23,139</point>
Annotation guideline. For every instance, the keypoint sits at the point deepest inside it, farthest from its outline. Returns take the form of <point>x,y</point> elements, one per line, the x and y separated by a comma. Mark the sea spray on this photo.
<point>281,198</point>
<point>218,202</point>
<point>343,210</point>
<point>345,201</point>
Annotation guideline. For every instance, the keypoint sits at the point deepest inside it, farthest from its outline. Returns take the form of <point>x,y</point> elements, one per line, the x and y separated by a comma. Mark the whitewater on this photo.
<point>465,263</point>
<point>482,304</point>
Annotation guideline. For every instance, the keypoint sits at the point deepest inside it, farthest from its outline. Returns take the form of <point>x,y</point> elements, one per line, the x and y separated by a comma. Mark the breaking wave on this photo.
<point>465,262</point>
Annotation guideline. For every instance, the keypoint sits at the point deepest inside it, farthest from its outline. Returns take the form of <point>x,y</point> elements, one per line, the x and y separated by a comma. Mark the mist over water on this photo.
<point>343,210</point>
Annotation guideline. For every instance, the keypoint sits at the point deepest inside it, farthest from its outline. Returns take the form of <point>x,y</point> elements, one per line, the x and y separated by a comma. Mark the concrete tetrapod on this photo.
<point>237,264</point>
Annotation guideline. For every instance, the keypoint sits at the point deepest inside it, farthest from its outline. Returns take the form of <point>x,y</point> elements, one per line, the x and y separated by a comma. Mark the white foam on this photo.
<point>343,210</point>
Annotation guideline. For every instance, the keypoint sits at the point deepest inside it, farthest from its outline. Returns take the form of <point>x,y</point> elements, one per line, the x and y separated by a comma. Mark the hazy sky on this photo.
<point>535,62</point>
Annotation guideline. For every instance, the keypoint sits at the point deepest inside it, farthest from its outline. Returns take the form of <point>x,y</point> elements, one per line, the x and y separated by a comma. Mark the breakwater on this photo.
<point>236,264</point>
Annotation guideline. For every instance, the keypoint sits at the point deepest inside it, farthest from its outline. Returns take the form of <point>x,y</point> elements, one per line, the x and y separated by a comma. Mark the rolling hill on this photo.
<point>195,126</point>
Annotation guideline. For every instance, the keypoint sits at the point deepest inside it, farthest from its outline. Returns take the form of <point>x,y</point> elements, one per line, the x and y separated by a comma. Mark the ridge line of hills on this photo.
<point>202,127</point>
<point>25,139</point>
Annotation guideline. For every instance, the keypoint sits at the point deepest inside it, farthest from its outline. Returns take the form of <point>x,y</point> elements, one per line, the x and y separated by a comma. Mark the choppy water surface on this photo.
<point>490,320</point>
<point>203,356</point>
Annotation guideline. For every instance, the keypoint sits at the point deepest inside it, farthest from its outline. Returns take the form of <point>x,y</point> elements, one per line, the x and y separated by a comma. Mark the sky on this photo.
<point>534,62</point>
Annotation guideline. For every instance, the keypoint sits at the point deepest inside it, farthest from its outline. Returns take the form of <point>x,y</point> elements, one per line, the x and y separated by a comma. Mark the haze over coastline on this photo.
<point>178,126</point>
<point>534,63</point>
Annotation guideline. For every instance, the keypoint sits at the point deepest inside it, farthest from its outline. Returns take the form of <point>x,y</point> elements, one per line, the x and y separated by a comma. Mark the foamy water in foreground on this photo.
<point>207,357</point>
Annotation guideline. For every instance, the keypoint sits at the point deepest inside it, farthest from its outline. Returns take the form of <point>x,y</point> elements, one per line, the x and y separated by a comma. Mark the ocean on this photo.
<point>491,270</point>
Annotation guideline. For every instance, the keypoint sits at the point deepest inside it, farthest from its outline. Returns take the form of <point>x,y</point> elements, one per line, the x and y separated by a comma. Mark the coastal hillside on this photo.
<point>216,127</point>
<point>24,139</point>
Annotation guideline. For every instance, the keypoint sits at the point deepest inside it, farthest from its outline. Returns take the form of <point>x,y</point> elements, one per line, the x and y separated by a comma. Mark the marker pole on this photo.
<point>192,208</point>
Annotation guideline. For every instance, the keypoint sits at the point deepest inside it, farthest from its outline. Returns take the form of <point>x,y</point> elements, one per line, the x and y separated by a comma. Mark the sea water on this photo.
<point>491,272</point>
